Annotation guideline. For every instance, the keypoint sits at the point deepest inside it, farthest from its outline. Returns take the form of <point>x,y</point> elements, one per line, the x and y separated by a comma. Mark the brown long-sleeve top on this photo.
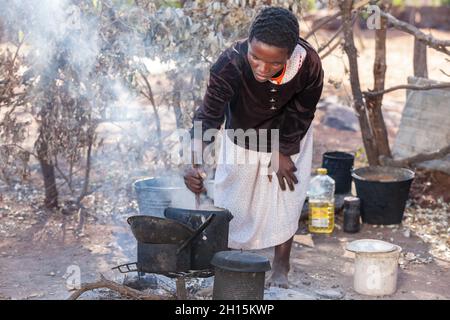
<point>234,94</point>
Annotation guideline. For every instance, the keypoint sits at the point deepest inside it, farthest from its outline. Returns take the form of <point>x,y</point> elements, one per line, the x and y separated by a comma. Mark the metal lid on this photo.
<point>240,261</point>
<point>322,171</point>
<point>371,246</point>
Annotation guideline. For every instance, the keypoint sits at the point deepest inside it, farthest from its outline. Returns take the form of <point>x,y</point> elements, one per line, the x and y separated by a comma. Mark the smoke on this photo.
<point>95,50</point>
<point>48,26</point>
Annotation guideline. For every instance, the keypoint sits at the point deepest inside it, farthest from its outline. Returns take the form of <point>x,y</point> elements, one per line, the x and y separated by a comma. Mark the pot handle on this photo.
<point>129,220</point>
<point>196,233</point>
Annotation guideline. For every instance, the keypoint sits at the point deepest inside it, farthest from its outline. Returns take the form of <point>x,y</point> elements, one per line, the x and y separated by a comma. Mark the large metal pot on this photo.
<point>149,229</point>
<point>164,245</point>
<point>212,240</point>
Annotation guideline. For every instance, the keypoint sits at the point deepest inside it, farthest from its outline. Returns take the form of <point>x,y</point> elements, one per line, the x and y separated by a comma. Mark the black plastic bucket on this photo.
<point>383,192</point>
<point>339,166</point>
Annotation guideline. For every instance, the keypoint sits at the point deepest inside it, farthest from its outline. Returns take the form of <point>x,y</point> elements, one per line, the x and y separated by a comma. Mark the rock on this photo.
<point>144,282</point>
<point>410,256</point>
<point>330,294</point>
<point>304,239</point>
<point>276,293</point>
<point>431,130</point>
<point>205,292</point>
<point>341,118</point>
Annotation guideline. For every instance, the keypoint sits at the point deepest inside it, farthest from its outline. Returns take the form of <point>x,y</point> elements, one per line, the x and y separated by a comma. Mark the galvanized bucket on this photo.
<point>155,194</point>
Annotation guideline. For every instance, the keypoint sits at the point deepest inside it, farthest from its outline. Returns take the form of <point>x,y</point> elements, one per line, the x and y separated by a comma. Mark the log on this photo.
<point>123,290</point>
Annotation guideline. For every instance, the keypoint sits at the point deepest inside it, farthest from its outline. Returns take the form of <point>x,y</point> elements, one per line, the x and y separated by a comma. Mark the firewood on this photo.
<point>123,290</point>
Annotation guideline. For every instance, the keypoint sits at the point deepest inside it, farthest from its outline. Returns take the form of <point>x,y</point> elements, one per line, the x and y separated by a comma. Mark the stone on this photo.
<point>144,282</point>
<point>341,118</point>
<point>276,293</point>
<point>330,294</point>
<point>424,125</point>
<point>304,239</point>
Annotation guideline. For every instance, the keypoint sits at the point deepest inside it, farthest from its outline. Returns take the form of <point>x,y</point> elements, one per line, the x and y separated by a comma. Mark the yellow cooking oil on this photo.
<point>321,203</point>
<point>321,216</point>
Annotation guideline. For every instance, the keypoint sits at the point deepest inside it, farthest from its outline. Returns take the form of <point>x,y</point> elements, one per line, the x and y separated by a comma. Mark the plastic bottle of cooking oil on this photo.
<point>321,203</point>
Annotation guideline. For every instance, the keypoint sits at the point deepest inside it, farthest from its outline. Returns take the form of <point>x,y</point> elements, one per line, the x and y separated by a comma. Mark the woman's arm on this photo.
<point>299,112</point>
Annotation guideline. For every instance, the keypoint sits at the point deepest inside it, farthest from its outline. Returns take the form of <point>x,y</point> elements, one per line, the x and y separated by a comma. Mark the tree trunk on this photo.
<point>177,110</point>
<point>374,103</point>
<point>87,172</point>
<point>350,50</point>
<point>420,59</point>
<point>48,173</point>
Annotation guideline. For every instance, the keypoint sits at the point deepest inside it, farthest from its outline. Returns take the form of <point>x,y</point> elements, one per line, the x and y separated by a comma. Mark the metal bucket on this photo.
<point>155,194</point>
<point>376,266</point>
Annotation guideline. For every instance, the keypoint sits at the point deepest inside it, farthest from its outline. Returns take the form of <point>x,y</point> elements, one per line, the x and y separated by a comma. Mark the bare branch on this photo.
<point>432,42</point>
<point>331,49</point>
<point>408,86</point>
<point>321,24</point>
<point>85,192</point>
<point>448,75</point>
<point>61,173</point>
<point>149,94</point>
<point>323,47</point>
<point>123,290</point>
<point>357,6</point>
<point>415,159</point>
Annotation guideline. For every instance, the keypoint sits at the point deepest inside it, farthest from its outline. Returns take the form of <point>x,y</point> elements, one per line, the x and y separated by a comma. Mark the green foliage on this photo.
<point>171,3</point>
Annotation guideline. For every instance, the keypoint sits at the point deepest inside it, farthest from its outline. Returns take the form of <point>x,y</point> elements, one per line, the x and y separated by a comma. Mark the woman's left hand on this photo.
<point>285,170</point>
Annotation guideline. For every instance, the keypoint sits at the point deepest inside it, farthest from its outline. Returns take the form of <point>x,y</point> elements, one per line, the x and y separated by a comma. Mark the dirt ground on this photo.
<point>37,247</point>
<point>33,262</point>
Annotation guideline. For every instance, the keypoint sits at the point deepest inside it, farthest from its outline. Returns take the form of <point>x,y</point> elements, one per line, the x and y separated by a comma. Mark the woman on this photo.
<point>272,80</point>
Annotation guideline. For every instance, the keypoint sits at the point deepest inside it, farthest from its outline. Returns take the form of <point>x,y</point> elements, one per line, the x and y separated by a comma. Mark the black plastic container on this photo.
<point>383,192</point>
<point>339,166</point>
<point>351,214</point>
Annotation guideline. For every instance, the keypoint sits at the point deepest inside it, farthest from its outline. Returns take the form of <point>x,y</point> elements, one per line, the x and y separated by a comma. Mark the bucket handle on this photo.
<point>196,233</point>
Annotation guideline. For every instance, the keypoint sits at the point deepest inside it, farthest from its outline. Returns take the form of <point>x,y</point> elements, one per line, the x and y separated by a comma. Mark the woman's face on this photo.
<point>265,60</point>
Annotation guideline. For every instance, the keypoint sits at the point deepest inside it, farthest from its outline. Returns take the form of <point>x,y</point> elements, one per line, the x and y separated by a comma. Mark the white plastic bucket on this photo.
<point>376,267</point>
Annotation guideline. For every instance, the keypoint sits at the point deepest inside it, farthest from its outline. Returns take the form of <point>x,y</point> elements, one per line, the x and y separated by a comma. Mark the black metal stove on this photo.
<point>172,258</point>
<point>180,277</point>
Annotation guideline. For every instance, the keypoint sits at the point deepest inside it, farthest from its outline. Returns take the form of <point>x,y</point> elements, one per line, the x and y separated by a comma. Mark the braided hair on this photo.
<point>277,27</point>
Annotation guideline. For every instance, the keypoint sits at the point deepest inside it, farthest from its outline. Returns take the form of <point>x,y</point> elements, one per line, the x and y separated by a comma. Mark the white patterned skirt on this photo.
<point>264,215</point>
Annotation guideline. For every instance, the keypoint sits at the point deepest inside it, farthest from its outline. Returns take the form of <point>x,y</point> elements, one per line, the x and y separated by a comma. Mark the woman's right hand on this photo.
<point>193,178</point>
